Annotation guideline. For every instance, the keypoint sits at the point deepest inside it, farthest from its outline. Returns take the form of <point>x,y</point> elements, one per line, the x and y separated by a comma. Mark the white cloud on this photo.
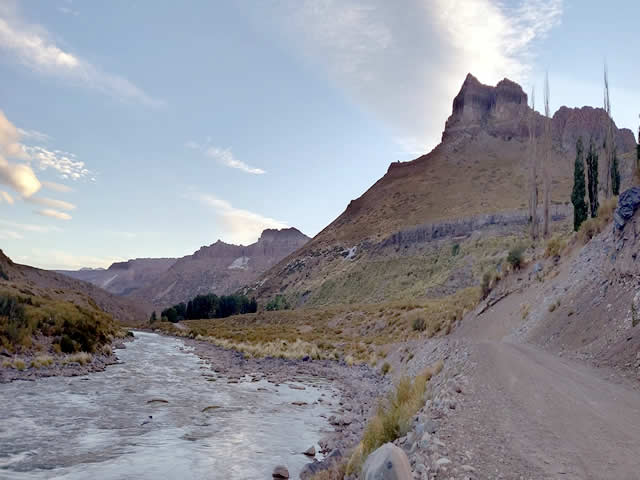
<point>193,145</point>
<point>20,177</point>
<point>404,62</point>
<point>68,11</point>
<point>52,203</point>
<point>6,197</point>
<point>34,135</point>
<point>10,235</point>
<point>27,227</point>
<point>64,163</point>
<point>240,226</point>
<point>50,212</point>
<point>57,187</point>
<point>32,46</point>
<point>225,157</point>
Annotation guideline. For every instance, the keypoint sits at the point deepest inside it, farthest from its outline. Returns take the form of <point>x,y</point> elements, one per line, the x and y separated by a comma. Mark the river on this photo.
<point>145,418</point>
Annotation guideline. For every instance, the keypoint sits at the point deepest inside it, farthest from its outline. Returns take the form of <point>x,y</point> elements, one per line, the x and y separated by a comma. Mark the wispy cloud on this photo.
<point>10,235</point>
<point>226,158</point>
<point>28,227</point>
<point>57,187</point>
<point>52,203</point>
<point>404,64</point>
<point>32,46</point>
<point>50,212</point>
<point>240,226</point>
<point>68,11</point>
<point>34,135</point>
<point>4,196</point>
<point>65,163</point>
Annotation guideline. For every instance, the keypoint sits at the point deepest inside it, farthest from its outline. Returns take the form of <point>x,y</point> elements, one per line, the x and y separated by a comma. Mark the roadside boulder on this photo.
<point>387,463</point>
<point>628,203</point>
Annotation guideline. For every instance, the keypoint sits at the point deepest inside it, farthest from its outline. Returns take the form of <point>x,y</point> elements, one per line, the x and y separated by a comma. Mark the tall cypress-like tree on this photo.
<point>592,178</point>
<point>615,174</point>
<point>577,195</point>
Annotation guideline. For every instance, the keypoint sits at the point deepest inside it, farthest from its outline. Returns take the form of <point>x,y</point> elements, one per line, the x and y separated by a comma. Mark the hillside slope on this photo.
<point>396,239</point>
<point>44,283</point>
<point>220,268</point>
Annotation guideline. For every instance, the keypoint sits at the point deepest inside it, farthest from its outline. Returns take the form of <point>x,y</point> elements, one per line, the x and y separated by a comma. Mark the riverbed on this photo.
<point>160,413</point>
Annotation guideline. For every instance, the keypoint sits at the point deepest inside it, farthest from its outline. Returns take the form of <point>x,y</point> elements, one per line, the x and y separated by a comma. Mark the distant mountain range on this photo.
<point>220,268</point>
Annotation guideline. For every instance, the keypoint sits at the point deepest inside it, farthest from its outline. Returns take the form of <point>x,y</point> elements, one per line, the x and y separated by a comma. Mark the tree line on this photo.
<point>208,306</point>
<point>581,189</point>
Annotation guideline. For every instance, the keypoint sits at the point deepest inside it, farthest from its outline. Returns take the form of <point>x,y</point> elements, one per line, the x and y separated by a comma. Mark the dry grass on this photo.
<point>355,334</point>
<point>555,246</point>
<point>42,361</point>
<point>336,472</point>
<point>394,416</point>
<point>80,357</point>
<point>593,226</point>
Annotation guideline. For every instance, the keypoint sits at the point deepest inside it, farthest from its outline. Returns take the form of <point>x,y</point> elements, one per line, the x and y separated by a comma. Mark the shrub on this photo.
<point>419,324</point>
<point>386,368</point>
<point>42,361</point>
<point>487,280</point>
<point>554,247</point>
<point>516,256</point>
<point>455,249</point>
<point>67,345</point>
<point>393,417</point>
<point>279,302</point>
<point>19,364</point>
<point>593,226</point>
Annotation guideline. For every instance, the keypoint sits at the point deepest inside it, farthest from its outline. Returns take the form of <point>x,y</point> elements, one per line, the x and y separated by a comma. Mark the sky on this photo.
<point>149,129</point>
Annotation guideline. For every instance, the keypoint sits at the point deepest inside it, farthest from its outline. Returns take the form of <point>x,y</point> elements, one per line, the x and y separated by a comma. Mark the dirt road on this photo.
<point>552,418</point>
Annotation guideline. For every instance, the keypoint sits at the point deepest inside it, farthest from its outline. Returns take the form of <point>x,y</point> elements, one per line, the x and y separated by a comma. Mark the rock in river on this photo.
<point>280,472</point>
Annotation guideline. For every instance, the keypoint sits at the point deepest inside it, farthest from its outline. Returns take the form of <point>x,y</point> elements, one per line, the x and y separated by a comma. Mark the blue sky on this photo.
<point>147,129</point>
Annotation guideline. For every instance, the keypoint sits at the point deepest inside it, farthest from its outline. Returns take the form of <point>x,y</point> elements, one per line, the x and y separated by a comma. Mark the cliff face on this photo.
<point>220,268</point>
<point>502,111</point>
<point>475,180</point>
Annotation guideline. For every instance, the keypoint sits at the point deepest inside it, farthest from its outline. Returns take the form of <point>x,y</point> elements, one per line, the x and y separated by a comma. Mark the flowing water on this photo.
<point>100,427</point>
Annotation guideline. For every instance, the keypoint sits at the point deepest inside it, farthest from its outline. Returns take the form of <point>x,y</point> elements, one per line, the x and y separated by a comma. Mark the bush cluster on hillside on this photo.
<point>279,302</point>
<point>74,328</point>
<point>516,256</point>
<point>210,306</point>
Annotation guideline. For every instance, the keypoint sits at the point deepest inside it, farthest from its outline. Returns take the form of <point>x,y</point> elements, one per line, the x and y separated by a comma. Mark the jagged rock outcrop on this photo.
<point>220,268</point>
<point>499,110</point>
<point>502,111</point>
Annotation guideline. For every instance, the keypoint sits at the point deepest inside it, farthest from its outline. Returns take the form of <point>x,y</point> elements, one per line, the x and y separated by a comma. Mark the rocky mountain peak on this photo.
<point>482,107</point>
<point>283,234</point>
<point>502,111</point>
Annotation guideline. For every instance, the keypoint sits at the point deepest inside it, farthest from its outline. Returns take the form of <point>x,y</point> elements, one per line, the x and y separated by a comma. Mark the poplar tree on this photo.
<point>533,168</point>
<point>578,193</point>
<point>615,174</point>
<point>592,178</point>
<point>546,159</point>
